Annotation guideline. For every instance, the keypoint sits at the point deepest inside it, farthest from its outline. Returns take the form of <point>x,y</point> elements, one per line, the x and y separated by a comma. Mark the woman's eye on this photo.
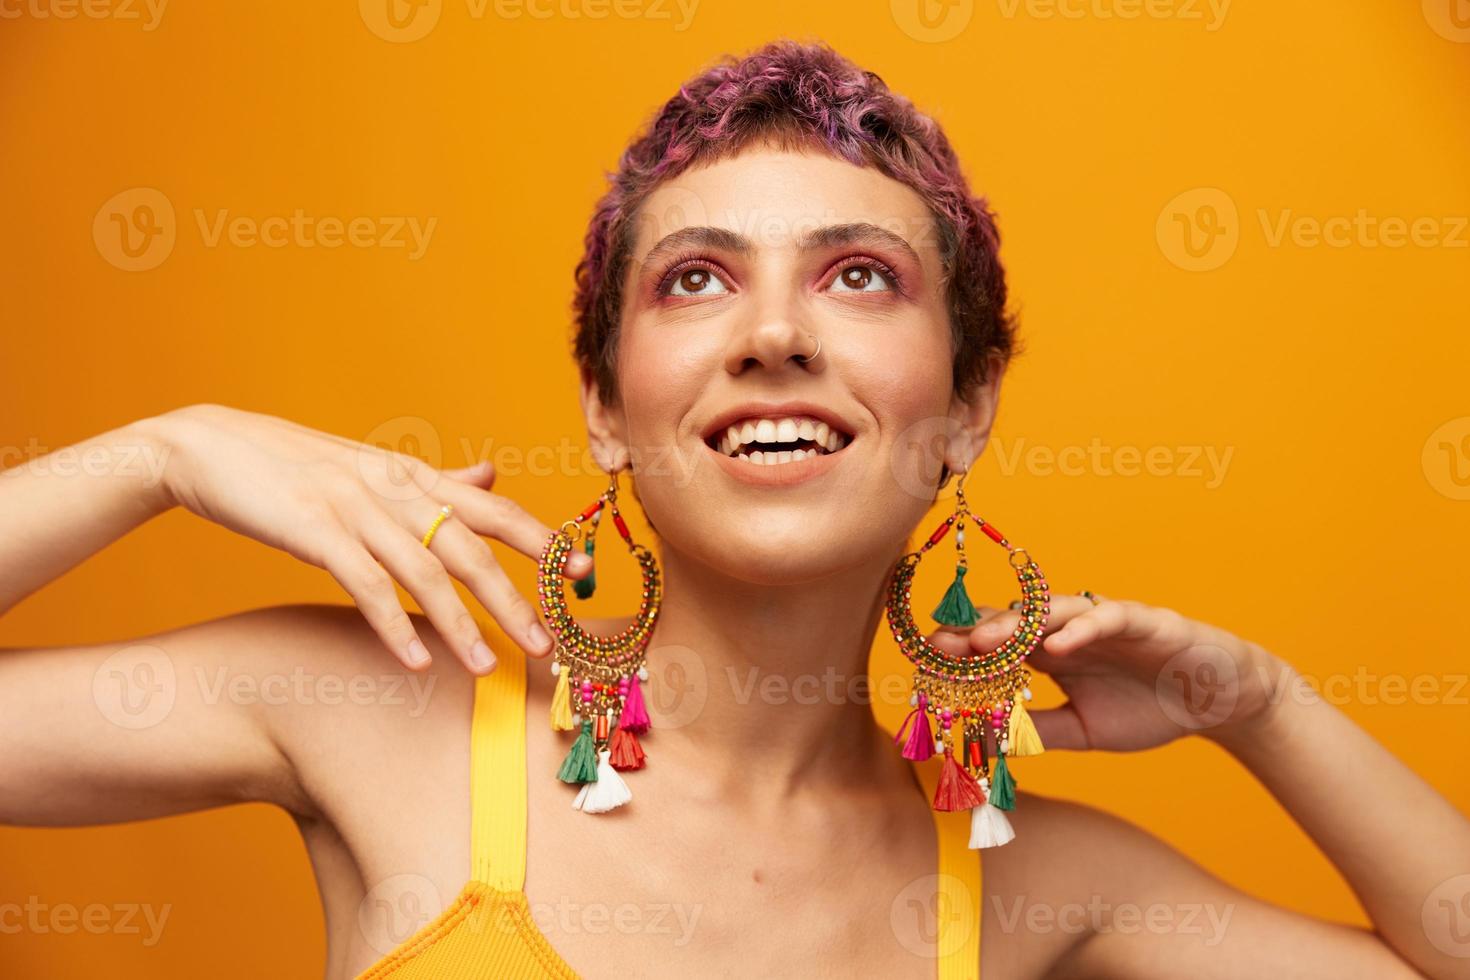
<point>696,281</point>
<point>860,279</point>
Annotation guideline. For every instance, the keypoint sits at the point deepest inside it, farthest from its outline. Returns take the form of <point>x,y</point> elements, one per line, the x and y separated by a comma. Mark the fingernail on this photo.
<point>417,654</point>
<point>580,561</point>
<point>540,639</point>
<point>480,656</point>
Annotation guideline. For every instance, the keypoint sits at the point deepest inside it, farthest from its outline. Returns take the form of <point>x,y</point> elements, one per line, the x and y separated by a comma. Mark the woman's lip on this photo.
<point>777,474</point>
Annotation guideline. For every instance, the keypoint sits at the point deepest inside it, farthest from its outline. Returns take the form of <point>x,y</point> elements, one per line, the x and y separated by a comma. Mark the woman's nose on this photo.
<point>775,336</point>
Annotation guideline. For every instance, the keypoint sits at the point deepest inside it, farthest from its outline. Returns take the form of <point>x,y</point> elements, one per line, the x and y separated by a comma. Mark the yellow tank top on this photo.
<point>488,931</point>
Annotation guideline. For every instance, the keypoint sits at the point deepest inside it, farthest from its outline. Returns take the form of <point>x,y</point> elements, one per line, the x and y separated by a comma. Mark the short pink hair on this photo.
<point>798,96</point>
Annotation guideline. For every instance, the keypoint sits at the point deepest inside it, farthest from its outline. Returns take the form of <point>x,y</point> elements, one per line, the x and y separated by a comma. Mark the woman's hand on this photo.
<point>360,512</point>
<point>1135,676</point>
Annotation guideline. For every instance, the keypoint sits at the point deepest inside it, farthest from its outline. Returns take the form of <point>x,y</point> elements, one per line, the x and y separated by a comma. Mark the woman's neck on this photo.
<point>762,685</point>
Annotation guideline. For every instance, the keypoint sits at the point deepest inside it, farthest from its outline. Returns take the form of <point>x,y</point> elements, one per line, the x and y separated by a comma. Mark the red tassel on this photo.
<point>624,750</point>
<point>957,788</point>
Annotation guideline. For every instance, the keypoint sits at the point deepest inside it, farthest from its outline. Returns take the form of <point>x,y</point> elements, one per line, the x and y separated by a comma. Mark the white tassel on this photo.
<point>606,792</point>
<point>988,824</point>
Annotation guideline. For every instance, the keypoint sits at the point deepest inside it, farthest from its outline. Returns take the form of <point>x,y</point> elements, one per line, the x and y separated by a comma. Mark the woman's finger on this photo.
<point>373,591</point>
<point>1110,618</point>
<point>481,474</point>
<point>505,520</point>
<point>991,632</point>
<point>425,578</point>
<point>1059,727</point>
<point>469,559</point>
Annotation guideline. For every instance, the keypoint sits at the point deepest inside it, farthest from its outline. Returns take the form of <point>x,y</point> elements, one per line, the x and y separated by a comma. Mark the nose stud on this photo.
<point>813,355</point>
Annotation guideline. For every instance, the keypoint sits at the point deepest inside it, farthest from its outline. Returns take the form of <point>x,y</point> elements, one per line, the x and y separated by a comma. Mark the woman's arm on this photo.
<point>58,509</point>
<point>357,511</point>
<point>1137,676</point>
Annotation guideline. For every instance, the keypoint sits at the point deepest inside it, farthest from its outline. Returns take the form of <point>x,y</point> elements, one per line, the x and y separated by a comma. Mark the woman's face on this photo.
<point>747,459</point>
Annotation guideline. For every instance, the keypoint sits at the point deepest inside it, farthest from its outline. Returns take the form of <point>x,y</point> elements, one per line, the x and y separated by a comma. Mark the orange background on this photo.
<point>1336,536</point>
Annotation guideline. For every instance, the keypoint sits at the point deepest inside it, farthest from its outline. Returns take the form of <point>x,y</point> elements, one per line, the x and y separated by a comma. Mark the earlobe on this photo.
<point>973,417</point>
<point>605,428</point>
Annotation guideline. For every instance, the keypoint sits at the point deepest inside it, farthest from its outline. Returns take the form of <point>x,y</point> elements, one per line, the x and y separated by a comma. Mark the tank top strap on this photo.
<point>498,775</point>
<point>958,892</point>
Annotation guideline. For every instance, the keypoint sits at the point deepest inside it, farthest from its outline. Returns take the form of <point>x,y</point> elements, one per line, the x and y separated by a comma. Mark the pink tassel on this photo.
<point>920,745</point>
<point>635,716</point>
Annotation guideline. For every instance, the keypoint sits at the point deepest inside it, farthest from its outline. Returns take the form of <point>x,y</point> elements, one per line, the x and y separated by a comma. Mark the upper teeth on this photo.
<point>790,429</point>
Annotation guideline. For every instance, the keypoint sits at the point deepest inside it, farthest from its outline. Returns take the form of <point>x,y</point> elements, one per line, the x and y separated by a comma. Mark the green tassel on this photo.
<point>1002,785</point>
<point>584,587</point>
<point>580,765</point>
<point>956,609</point>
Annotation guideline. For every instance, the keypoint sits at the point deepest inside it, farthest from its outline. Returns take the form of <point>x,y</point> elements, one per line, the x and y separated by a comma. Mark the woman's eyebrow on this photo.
<point>827,236</point>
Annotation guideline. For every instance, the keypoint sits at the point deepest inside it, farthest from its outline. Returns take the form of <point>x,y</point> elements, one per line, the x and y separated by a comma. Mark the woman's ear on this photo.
<point>973,416</point>
<point>606,427</point>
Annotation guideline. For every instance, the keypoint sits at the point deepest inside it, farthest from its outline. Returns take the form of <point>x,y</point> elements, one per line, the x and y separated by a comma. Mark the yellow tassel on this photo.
<point>561,703</point>
<point>1022,733</point>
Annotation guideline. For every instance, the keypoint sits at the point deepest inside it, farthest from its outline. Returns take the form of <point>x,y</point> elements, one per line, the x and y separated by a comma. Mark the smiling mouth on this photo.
<point>774,441</point>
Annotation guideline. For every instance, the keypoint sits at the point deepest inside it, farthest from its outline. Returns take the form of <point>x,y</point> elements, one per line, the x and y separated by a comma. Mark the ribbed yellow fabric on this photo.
<point>488,932</point>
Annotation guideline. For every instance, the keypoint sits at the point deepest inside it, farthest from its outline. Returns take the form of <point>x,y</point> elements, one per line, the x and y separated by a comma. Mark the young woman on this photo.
<point>787,295</point>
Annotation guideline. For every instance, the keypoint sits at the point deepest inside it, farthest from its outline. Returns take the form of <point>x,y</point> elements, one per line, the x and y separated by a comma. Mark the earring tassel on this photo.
<point>956,609</point>
<point>989,826</point>
<point>584,587</point>
<point>1022,733</point>
<point>626,752</point>
<point>957,789</point>
<point>635,715</point>
<point>607,792</point>
<point>1003,786</point>
<point>920,744</point>
<point>561,703</point>
<point>580,765</point>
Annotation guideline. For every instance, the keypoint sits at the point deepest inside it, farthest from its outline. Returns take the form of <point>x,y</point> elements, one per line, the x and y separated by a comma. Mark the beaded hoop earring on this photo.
<point>600,675</point>
<point>968,692</point>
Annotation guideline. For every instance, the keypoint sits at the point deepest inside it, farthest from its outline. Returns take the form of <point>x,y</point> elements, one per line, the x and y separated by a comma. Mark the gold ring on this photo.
<point>1092,596</point>
<point>444,513</point>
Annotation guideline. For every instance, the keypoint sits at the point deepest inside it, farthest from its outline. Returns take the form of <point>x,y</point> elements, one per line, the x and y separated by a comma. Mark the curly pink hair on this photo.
<point>796,96</point>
